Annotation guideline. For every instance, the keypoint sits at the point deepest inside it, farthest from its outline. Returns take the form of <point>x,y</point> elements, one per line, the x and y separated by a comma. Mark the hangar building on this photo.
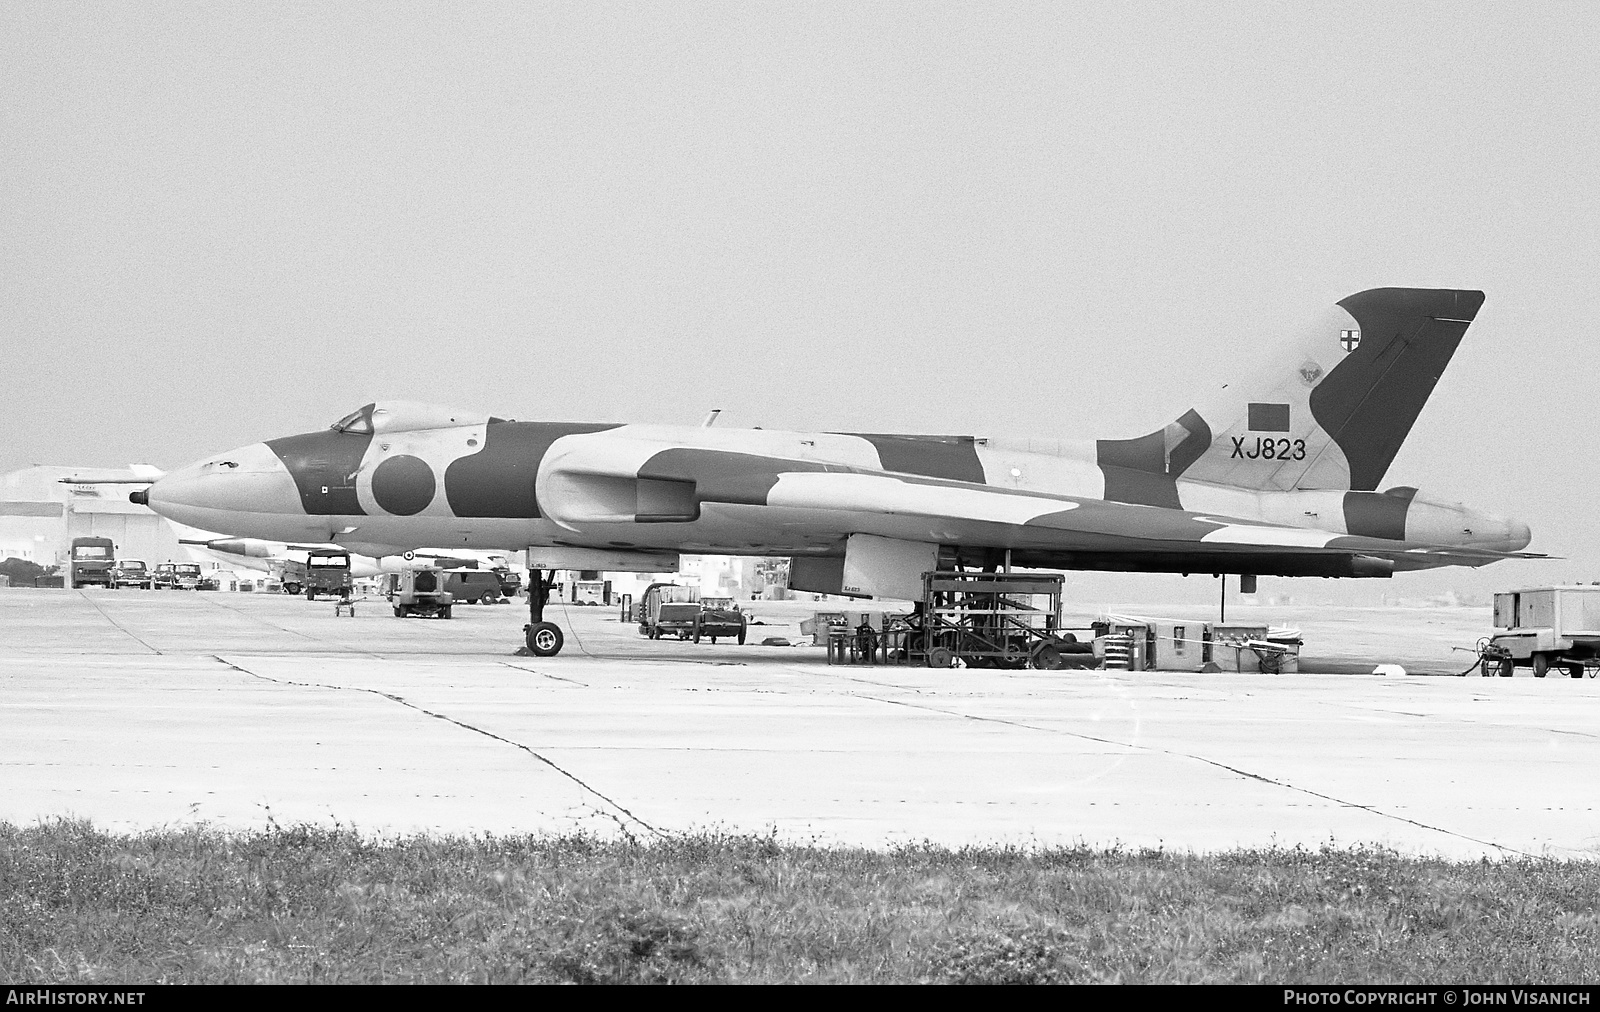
<point>40,515</point>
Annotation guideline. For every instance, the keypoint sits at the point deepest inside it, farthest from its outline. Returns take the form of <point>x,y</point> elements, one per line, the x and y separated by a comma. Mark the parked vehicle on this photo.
<point>164,576</point>
<point>290,575</point>
<point>132,573</point>
<point>91,561</point>
<point>668,609</point>
<point>186,576</point>
<point>720,617</point>
<point>421,592</point>
<point>675,618</point>
<point>1544,628</point>
<point>510,581</point>
<point>474,586</point>
<point>328,573</point>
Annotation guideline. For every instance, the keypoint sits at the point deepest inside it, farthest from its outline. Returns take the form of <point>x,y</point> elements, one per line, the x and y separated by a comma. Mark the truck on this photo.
<point>91,561</point>
<point>132,573</point>
<point>1543,628</point>
<point>667,609</point>
<point>328,572</point>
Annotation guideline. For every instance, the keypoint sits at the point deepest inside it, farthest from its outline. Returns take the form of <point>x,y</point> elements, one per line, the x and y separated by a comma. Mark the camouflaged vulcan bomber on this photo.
<point>1279,478</point>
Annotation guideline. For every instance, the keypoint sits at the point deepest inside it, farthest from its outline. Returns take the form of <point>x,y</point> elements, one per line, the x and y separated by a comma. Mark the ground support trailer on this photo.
<point>1543,628</point>
<point>985,620</point>
<point>420,591</point>
<point>720,618</point>
<point>667,610</point>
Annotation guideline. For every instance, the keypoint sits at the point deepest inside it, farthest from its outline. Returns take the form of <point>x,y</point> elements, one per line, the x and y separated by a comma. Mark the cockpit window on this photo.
<point>358,421</point>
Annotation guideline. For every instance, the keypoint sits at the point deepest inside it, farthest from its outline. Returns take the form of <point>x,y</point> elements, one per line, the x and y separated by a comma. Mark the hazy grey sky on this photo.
<point>224,222</point>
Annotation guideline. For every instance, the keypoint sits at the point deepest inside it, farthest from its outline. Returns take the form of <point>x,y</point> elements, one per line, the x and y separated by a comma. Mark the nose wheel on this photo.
<point>544,639</point>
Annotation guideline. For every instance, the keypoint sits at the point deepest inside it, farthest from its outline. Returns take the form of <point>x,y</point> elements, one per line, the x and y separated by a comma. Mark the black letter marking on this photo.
<point>1269,449</point>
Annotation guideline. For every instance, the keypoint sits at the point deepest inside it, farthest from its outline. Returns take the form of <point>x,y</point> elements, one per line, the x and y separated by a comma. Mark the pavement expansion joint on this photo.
<point>120,627</point>
<point>614,808</point>
<point>545,674</point>
<point>1475,721</point>
<point>1370,809</point>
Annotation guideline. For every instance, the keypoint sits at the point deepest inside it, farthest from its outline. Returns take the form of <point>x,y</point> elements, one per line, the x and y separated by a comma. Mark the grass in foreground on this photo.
<point>325,905</point>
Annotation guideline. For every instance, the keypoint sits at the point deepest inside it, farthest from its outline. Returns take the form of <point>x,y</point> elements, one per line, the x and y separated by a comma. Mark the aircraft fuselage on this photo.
<point>483,483</point>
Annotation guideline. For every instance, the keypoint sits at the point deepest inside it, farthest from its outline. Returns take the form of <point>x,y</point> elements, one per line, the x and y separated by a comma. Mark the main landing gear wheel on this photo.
<point>544,639</point>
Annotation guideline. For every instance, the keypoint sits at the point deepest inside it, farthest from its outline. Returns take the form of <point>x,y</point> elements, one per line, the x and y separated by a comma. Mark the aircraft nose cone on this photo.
<point>219,494</point>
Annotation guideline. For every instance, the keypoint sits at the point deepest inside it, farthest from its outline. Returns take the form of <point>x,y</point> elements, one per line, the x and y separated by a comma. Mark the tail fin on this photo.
<point>1332,413</point>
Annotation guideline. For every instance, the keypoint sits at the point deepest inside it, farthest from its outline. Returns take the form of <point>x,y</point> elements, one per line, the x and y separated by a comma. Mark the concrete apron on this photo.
<point>162,709</point>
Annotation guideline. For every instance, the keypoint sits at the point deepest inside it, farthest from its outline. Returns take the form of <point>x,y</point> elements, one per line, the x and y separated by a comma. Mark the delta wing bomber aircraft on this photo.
<point>1278,478</point>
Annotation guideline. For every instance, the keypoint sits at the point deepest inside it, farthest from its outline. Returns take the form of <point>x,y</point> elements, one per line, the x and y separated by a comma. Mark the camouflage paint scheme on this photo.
<point>1278,478</point>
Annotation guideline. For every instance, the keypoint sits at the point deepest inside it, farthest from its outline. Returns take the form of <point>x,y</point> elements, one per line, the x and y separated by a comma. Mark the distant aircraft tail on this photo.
<point>1330,414</point>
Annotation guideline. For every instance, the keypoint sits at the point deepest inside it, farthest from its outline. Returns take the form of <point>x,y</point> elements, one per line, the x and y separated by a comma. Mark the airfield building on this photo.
<point>40,515</point>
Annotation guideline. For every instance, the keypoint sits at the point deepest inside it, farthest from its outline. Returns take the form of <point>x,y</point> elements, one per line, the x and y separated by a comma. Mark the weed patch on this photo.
<point>304,904</point>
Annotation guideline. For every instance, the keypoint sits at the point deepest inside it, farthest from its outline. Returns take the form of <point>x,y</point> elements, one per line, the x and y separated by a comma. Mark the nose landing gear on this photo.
<point>544,639</point>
